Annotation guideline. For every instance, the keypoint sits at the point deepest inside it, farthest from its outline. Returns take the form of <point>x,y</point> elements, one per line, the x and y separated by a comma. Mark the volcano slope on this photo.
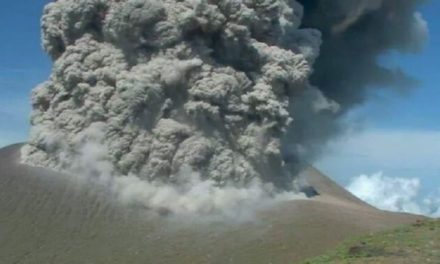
<point>46,217</point>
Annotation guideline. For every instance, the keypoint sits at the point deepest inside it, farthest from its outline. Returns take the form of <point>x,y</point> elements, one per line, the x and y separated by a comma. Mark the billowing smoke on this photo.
<point>224,88</point>
<point>355,34</point>
<point>168,84</point>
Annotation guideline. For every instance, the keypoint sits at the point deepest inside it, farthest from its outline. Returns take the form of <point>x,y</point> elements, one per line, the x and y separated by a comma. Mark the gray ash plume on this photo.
<point>235,90</point>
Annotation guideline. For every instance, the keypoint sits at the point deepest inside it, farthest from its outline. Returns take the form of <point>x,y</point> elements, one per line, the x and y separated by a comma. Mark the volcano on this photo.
<point>166,128</point>
<point>46,217</point>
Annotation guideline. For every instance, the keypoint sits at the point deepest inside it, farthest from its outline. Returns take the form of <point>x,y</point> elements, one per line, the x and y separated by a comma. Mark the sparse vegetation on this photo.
<point>417,243</point>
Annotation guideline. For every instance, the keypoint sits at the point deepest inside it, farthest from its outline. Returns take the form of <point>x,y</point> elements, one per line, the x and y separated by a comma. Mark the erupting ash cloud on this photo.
<point>355,34</point>
<point>225,88</point>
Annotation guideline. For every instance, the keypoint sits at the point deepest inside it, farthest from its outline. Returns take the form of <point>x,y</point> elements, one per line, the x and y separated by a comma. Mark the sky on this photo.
<point>23,65</point>
<point>397,135</point>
